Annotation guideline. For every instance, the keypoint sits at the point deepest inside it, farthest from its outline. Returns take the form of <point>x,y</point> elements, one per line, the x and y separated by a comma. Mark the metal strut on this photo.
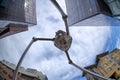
<point>25,52</point>
<point>64,16</point>
<point>83,69</point>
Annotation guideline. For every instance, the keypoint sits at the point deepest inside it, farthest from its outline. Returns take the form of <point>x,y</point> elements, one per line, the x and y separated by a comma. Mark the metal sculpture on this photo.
<point>62,41</point>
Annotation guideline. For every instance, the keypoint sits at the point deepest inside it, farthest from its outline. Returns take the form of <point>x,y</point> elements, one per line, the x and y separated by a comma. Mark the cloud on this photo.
<point>118,41</point>
<point>52,19</point>
<point>118,44</point>
<point>113,41</point>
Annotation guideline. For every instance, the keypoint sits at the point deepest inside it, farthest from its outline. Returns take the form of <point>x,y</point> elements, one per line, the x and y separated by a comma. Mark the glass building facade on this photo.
<point>114,6</point>
<point>92,12</point>
<point>17,11</point>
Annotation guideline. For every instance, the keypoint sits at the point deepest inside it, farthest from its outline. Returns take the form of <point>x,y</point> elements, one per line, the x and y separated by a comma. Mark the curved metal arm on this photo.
<point>64,16</point>
<point>24,53</point>
<point>58,7</point>
<point>83,69</point>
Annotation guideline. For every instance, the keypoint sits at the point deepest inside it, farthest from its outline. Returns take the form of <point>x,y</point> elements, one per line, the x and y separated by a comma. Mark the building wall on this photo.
<point>80,9</point>
<point>12,29</point>
<point>94,70</point>
<point>89,13</point>
<point>115,56</point>
<point>30,11</point>
<point>7,74</point>
<point>107,66</point>
<point>19,11</point>
<point>24,77</point>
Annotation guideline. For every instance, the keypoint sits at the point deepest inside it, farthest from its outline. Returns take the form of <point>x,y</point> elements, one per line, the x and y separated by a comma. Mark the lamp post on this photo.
<point>62,40</point>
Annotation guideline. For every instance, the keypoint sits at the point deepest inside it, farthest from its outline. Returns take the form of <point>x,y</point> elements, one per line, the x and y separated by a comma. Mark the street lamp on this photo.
<point>62,40</point>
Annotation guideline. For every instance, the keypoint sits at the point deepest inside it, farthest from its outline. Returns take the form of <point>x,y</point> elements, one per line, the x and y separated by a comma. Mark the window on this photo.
<point>118,68</point>
<point>114,64</point>
<point>109,69</point>
<point>105,58</point>
<point>4,72</point>
<point>114,6</point>
<point>105,65</point>
<point>110,62</point>
<point>0,67</point>
<point>4,3</point>
<point>10,76</point>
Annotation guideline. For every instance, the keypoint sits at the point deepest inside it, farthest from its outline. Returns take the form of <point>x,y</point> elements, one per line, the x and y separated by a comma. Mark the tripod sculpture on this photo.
<point>62,40</point>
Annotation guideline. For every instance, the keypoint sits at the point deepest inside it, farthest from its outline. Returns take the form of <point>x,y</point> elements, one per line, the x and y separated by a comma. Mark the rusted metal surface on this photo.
<point>62,40</point>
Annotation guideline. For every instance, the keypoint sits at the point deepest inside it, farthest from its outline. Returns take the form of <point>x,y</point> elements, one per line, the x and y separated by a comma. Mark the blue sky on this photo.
<point>45,57</point>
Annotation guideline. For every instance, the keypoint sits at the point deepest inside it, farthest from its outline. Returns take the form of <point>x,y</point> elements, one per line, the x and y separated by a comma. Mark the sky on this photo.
<point>45,57</point>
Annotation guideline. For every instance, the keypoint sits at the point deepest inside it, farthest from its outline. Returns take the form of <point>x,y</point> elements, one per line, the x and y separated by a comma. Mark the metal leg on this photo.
<point>58,7</point>
<point>64,16</point>
<point>68,57</point>
<point>89,72</point>
<point>24,53</point>
<point>83,69</point>
<point>66,24</point>
<point>45,39</point>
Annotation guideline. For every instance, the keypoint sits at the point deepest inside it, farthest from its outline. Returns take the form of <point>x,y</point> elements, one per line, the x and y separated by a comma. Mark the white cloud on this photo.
<point>91,40</point>
<point>118,42</point>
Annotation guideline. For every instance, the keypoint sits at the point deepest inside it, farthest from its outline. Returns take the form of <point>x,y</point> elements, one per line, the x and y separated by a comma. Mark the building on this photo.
<point>7,69</point>
<point>21,13</point>
<point>107,65</point>
<point>93,12</point>
<point>12,29</point>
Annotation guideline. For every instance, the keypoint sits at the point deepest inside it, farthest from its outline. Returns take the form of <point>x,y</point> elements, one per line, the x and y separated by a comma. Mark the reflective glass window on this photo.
<point>114,6</point>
